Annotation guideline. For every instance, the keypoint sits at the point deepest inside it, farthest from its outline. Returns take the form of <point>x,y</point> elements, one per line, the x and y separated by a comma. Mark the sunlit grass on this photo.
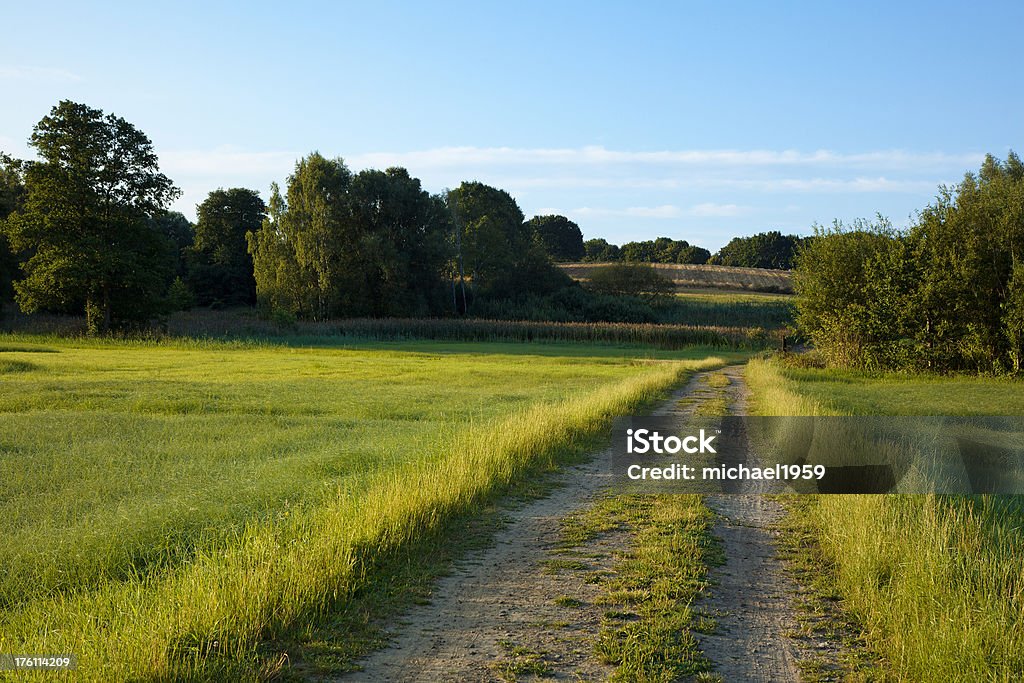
<point>936,581</point>
<point>167,507</point>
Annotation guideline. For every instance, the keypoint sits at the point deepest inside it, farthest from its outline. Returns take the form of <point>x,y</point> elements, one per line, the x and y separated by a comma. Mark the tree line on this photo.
<point>946,294</point>
<point>763,250</point>
<point>86,229</point>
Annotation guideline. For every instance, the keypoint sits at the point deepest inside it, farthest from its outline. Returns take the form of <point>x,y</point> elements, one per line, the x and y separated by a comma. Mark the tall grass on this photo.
<point>207,618</point>
<point>247,325</point>
<point>936,581</point>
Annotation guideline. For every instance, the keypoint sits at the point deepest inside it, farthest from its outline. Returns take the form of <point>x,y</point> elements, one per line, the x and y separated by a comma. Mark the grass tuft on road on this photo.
<point>646,631</point>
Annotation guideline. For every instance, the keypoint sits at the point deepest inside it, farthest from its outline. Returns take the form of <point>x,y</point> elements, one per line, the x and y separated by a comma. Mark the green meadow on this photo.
<point>168,507</point>
<point>936,583</point>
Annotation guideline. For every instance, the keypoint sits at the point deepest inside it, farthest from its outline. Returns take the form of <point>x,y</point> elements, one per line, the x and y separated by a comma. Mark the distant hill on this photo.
<point>704,276</point>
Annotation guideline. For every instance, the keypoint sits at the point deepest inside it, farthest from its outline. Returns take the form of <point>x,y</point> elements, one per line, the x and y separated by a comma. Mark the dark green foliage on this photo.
<point>763,250</point>
<point>569,304</point>
<point>12,197</point>
<point>375,244</point>
<point>660,250</point>
<point>575,304</point>
<point>402,245</point>
<point>180,296</point>
<point>561,239</point>
<point>631,280</point>
<point>600,251</point>
<point>220,269</point>
<point>498,252</point>
<point>86,231</point>
<point>179,231</point>
<point>945,295</point>
<point>664,250</point>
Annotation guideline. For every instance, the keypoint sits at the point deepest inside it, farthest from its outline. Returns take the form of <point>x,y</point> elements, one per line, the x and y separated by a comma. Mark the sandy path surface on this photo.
<point>752,595</point>
<point>502,600</point>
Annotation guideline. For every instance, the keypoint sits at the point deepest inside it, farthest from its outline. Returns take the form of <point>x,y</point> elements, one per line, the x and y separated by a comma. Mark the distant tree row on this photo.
<point>763,250</point>
<point>946,294</point>
<point>660,250</point>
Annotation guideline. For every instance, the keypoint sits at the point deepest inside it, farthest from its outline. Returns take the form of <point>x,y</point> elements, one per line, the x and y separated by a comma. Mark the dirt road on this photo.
<point>505,612</point>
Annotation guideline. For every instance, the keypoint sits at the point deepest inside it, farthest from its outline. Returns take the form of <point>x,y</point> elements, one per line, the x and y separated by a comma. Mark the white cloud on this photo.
<point>446,157</point>
<point>709,210</point>
<point>36,73</point>
<point>664,211</point>
<point>839,185</point>
<point>227,161</point>
<point>700,181</point>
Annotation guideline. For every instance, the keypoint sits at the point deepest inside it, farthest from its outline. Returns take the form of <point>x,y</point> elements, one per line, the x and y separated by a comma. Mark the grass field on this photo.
<point>167,508</point>
<point>937,582</point>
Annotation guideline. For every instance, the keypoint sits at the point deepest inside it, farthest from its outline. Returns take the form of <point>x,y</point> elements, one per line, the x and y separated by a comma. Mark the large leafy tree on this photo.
<point>221,268</point>
<point>401,244</point>
<point>496,247</point>
<point>561,238</point>
<point>947,294</point>
<point>492,231</point>
<point>180,233</point>
<point>299,254</point>
<point>87,221</point>
<point>833,282</point>
<point>12,196</point>
<point>373,244</point>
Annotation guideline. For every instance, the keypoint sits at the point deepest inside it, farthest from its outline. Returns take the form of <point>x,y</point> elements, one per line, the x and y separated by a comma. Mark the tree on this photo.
<point>220,266</point>
<point>300,253</point>
<point>87,219</point>
<point>12,197</point>
<point>832,281</point>
<point>180,234</point>
<point>401,245</point>
<point>498,251</point>
<point>374,244</point>
<point>763,250</point>
<point>561,239</point>
<point>664,250</point>
<point>598,250</point>
<point>493,235</point>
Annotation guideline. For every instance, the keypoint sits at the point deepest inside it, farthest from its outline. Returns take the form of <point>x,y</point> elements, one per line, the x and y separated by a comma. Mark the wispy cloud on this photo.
<point>442,157</point>
<point>36,73</point>
<point>698,181</point>
<point>227,161</point>
<point>837,185</point>
<point>608,186</point>
<point>664,211</point>
<point>709,209</point>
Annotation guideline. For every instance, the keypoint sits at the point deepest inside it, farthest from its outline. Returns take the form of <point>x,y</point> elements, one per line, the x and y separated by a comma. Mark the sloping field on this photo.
<point>702,276</point>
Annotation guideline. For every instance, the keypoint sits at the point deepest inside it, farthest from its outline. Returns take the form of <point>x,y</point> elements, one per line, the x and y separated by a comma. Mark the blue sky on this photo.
<point>697,121</point>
